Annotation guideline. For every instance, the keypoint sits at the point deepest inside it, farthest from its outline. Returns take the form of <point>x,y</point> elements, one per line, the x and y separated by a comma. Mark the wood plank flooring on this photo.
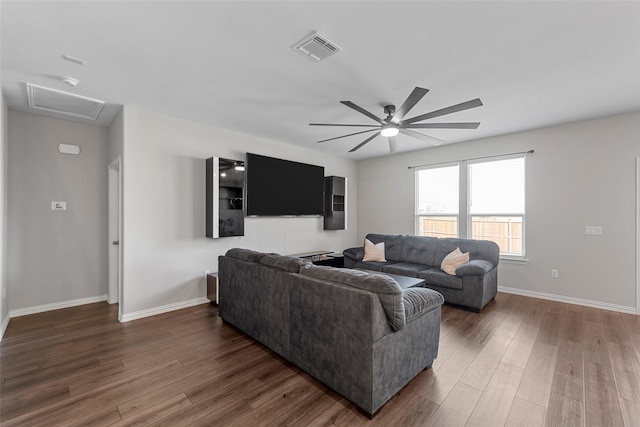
<point>521,362</point>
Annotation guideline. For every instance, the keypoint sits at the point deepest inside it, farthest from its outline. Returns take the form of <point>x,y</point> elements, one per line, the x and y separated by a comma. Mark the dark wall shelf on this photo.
<point>334,202</point>
<point>230,198</point>
<point>224,198</point>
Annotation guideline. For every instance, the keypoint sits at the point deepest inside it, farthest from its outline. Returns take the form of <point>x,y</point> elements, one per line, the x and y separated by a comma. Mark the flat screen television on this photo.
<point>277,187</point>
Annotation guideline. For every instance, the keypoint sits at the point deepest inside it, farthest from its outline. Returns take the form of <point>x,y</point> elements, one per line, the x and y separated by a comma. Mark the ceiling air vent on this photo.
<point>316,47</point>
<point>68,104</point>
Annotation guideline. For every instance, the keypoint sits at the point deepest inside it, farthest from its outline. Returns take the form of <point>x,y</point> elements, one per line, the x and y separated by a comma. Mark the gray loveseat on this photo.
<point>474,284</point>
<point>360,334</point>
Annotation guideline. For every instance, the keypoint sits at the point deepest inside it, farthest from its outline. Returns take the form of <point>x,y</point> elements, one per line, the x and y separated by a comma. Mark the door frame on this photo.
<point>638,235</point>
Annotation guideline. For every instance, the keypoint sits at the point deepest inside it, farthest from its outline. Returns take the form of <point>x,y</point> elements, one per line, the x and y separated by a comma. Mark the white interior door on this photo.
<point>114,231</point>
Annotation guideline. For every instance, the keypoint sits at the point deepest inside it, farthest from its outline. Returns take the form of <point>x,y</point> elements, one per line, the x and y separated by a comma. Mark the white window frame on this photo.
<point>465,218</point>
<point>469,216</point>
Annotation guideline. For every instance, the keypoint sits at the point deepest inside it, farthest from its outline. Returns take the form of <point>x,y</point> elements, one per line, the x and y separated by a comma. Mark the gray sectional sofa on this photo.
<point>358,333</point>
<point>474,284</point>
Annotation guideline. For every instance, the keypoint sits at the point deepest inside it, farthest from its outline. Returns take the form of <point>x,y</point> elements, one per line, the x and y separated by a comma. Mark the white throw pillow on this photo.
<point>454,260</point>
<point>373,252</point>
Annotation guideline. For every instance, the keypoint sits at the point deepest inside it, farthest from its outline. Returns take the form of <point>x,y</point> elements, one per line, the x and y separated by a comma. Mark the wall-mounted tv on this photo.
<point>277,187</point>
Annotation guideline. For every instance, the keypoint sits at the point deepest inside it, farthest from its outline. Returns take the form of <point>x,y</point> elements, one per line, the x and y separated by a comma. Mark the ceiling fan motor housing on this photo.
<point>389,109</point>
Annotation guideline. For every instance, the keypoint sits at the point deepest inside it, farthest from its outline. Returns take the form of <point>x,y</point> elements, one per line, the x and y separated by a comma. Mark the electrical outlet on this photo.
<point>206,272</point>
<point>554,273</point>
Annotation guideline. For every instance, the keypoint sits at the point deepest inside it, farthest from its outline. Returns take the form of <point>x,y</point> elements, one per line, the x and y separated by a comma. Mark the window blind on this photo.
<point>438,190</point>
<point>497,187</point>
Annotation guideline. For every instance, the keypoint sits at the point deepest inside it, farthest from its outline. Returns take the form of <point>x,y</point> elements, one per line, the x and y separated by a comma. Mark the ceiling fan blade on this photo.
<point>393,144</point>
<point>361,111</point>
<point>421,136</point>
<point>463,125</point>
<point>415,96</point>
<point>344,136</point>
<point>341,124</point>
<point>452,109</point>
<point>357,147</point>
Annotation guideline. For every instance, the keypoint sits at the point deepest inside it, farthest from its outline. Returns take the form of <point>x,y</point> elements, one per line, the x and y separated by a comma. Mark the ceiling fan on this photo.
<point>393,124</point>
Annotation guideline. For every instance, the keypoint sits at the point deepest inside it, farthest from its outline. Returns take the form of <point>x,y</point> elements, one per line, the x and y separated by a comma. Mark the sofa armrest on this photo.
<point>355,254</point>
<point>475,267</point>
<point>418,301</point>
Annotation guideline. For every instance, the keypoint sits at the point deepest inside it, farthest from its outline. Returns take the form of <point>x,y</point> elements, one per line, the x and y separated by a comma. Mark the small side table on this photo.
<point>212,287</point>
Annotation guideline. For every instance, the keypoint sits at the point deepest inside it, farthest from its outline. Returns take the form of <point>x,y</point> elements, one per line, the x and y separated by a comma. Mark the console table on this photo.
<point>332,259</point>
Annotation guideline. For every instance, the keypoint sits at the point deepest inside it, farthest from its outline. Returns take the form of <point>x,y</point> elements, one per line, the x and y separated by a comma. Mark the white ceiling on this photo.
<point>230,64</point>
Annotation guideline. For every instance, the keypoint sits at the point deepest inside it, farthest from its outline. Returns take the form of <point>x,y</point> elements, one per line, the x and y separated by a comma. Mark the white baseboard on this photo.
<point>56,306</point>
<point>569,300</point>
<point>3,327</point>
<point>162,309</point>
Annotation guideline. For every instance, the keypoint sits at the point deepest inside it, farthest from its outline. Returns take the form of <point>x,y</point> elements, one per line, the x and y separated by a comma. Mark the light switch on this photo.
<point>58,206</point>
<point>593,230</point>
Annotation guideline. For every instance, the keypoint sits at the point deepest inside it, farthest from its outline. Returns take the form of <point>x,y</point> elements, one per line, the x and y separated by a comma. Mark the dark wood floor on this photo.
<point>522,361</point>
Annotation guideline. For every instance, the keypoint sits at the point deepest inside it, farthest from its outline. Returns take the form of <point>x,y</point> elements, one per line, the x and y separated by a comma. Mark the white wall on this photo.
<point>56,257</point>
<point>581,174</point>
<point>4,301</point>
<point>164,249</point>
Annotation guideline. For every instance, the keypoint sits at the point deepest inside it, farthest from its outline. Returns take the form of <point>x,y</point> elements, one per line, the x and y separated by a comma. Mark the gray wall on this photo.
<point>581,174</point>
<point>4,301</point>
<point>164,249</point>
<point>116,136</point>
<point>56,256</point>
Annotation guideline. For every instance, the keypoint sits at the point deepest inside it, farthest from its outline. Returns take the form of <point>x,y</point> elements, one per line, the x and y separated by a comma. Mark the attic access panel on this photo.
<point>64,103</point>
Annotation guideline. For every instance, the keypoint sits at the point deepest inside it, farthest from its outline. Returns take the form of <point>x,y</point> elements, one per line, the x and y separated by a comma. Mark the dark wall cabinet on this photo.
<point>224,198</point>
<point>335,202</point>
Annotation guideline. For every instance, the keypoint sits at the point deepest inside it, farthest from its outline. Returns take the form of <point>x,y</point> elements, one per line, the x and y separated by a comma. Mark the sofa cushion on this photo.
<point>404,269</point>
<point>388,291</point>
<point>420,250</point>
<point>475,267</point>
<point>245,254</point>
<point>392,245</point>
<point>373,251</point>
<point>454,260</point>
<point>286,263</point>
<point>437,277</point>
<point>418,301</point>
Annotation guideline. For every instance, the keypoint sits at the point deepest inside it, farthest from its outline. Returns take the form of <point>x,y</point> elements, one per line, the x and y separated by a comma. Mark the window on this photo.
<point>490,205</point>
<point>496,203</point>
<point>437,204</point>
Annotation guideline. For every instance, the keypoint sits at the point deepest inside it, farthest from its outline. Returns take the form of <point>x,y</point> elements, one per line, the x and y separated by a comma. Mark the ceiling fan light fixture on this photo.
<point>389,131</point>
